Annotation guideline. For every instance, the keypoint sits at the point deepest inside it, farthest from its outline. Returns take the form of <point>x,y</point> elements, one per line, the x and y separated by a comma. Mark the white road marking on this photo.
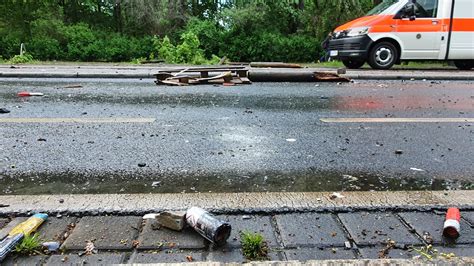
<point>83,120</point>
<point>397,120</point>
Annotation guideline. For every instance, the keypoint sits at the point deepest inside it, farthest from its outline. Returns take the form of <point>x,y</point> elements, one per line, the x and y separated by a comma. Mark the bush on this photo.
<point>209,34</point>
<point>9,45</point>
<point>81,43</point>
<point>21,59</point>
<point>44,48</point>
<point>271,47</point>
<point>187,52</point>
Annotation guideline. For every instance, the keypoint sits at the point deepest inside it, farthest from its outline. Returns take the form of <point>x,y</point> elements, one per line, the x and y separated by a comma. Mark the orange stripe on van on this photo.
<point>463,24</point>
<point>386,23</point>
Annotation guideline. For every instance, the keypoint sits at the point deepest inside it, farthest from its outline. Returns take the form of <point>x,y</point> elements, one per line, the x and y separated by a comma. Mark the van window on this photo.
<point>426,8</point>
<point>380,8</point>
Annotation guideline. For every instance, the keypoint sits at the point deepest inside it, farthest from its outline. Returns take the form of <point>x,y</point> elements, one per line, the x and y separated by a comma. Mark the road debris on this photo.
<point>135,243</point>
<point>4,205</point>
<point>417,169</point>
<point>341,71</point>
<point>274,65</point>
<point>291,140</point>
<point>19,232</point>
<point>347,245</point>
<point>427,237</point>
<point>88,250</point>
<point>350,178</point>
<point>208,226</point>
<point>172,220</point>
<point>51,246</point>
<point>398,152</point>
<point>383,253</point>
<point>189,258</point>
<point>73,86</point>
<point>452,226</point>
<point>336,195</point>
<point>150,216</point>
<point>228,76</point>
<point>29,94</point>
<point>4,111</point>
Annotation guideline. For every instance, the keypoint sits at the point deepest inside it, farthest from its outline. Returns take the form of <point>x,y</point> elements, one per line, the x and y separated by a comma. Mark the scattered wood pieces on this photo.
<point>228,76</point>
<point>73,86</point>
<point>329,77</point>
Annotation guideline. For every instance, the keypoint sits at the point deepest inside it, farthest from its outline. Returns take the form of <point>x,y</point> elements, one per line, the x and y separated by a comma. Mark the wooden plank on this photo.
<point>274,65</point>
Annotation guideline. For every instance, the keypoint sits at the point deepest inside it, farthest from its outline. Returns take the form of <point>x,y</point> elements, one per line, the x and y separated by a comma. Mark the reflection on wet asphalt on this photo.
<point>262,137</point>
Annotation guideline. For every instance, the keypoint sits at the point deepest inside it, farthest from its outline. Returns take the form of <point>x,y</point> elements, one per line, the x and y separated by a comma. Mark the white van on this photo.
<point>408,30</point>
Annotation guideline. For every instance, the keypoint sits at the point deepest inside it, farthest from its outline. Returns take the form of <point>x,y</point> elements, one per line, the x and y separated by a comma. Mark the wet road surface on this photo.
<point>130,136</point>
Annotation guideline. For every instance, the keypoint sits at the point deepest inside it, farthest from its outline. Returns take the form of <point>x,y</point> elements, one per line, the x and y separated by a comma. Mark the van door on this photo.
<point>422,38</point>
<point>462,35</point>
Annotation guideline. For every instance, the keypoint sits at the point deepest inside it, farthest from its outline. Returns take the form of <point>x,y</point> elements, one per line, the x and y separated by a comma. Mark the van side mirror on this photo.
<point>408,11</point>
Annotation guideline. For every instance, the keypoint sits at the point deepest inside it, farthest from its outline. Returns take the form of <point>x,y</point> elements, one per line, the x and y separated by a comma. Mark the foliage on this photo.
<point>187,31</point>
<point>29,245</point>
<point>187,52</point>
<point>21,59</point>
<point>254,246</point>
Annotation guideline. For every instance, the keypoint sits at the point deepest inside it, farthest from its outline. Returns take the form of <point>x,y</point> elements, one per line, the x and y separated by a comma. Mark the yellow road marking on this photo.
<point>44,120</point>
<point>397,120</point>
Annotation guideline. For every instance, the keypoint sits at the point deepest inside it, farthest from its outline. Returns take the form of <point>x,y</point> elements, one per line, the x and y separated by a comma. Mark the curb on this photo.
<point>277,202</point>
<point>389,75</point>
<point>456,261</point>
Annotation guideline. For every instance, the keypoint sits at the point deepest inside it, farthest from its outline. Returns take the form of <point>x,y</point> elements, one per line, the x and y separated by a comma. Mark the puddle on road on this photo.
<point>67,183</point>
<point>362,102</point>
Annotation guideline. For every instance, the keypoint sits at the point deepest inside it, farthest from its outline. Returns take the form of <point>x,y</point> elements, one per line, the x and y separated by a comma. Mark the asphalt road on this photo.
<point>260,137</point>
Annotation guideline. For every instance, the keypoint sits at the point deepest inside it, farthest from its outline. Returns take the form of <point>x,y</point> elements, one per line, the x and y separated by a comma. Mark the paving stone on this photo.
<point>115,233</point>
<point>373,253</point>
<point>166,257</point>
<point>256,224</point>
<point>53,229</point>
<point>97,259</point>
<point>375,228</point>
<point>310,229</point>
<point>166,238</point>
<point>433,224</point>
<point>3,223</point>
<point>305,254</point>
<point>468,216</point>
<point>224,255</point>
<point>26,260</point>
<point>5,230</point>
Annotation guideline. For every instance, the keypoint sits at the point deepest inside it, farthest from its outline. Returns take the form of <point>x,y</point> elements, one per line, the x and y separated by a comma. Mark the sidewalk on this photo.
<point>147,72</point>
<point>341,229</point>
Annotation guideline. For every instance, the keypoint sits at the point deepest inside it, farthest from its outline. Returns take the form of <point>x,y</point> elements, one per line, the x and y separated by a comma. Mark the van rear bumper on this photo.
<point>350,47</point>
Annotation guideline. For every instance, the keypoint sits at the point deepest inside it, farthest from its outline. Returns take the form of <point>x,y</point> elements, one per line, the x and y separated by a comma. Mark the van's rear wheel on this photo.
<point>464,65</point>
<point>383,56</point>
<point>353,63</point>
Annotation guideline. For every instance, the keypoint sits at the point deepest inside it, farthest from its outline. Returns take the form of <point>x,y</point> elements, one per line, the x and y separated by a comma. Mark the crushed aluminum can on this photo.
<point>208,226</point>
<point>51,246</point>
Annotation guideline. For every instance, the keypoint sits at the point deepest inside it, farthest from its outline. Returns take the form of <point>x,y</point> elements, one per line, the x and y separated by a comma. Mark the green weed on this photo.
<point>21,59</point>
<point>29,245</point>
<point>254,246</point>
